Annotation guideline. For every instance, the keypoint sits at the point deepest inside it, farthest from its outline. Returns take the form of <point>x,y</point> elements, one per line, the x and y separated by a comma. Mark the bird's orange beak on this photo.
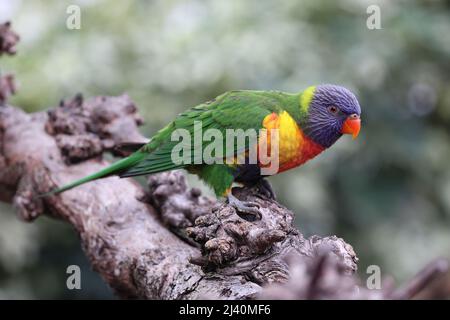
<point>352,125</point>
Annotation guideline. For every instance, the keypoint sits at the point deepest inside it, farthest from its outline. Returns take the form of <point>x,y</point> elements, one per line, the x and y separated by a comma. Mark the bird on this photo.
<point>306,124</point>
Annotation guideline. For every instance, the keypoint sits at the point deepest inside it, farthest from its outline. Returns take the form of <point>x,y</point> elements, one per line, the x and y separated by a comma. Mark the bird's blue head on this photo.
<point>331,111</point>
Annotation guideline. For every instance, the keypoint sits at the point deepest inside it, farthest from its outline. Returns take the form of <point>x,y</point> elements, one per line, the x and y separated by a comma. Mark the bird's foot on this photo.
<point>247,207</point>
<point>265,188</point>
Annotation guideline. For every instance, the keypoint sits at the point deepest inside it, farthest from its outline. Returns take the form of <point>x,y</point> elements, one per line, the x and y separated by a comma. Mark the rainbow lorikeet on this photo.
<point>307,122</point>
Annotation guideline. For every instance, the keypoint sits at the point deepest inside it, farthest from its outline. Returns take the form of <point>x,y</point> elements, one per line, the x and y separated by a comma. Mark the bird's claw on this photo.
<point>248,207</point>
<point>265,188</point>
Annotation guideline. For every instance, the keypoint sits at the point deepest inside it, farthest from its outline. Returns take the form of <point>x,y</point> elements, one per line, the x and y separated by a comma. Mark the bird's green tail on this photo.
<point>112,169</point>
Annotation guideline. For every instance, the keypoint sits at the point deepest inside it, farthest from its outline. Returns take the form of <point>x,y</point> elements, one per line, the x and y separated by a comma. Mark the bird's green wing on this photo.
<point>232,110</point>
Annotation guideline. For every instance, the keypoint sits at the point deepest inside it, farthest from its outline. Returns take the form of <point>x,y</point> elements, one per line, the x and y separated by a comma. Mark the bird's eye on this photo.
<point>333,109</point>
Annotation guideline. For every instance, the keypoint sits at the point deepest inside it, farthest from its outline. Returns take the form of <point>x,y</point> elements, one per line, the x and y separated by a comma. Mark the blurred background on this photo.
<point>387,193</point>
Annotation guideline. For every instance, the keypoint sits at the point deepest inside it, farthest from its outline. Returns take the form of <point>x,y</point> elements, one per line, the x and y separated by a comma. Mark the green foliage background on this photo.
<point>387,193</point>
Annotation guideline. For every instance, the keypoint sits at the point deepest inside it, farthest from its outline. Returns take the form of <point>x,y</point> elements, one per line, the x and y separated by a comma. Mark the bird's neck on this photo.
<point>294,109</point>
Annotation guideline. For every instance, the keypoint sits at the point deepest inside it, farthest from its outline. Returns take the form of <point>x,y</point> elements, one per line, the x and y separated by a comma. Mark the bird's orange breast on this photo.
<point>294,147</point>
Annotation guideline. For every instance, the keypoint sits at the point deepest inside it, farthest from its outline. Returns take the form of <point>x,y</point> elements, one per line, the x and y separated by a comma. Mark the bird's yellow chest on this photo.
<point>288,134</point>
<point>294,148</point>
